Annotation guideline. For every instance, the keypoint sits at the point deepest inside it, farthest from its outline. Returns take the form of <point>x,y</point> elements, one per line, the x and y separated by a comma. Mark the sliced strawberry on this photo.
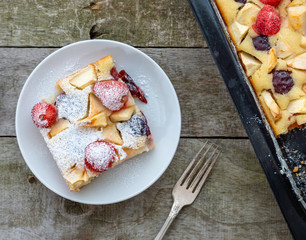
<point>43,114</point>
<point>99,156</point>
<point>271,2</point>
<point>112,94</point>
<point>134,89</point>
<point>268,21</point>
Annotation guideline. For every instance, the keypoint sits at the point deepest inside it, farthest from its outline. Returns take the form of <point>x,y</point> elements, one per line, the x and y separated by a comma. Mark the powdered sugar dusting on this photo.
<point>154,102</point>
<point>99,155</point>
<point>129,140</point>
<point>43,114</point>
<point>111,93</point>
<point>137,125</point>
<point>72,108</point>
<point>73,104</point>
<point>36,116</point>
<point>142,82</point>
<point>68,146</point>
<point>121,153</point>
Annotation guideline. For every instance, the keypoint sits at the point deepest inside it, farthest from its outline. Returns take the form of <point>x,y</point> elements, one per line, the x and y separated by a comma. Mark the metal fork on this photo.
<point>190,183</point>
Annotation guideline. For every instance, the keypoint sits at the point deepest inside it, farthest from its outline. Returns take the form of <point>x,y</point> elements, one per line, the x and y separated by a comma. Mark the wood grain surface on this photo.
<point>236,202</point>
<point>158,23</point>
<point>230,206</point>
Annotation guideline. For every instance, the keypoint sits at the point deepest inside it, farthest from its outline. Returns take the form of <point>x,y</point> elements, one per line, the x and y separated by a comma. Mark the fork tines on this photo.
<point>190,183</point>
<point>199,168</point>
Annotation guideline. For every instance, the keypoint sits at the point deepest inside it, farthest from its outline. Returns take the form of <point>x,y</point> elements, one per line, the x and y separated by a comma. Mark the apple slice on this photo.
<point>238,31</point>
<point>111,134</point>
<point>272,60</point>
<point>272,105</point>
<point>103,67</point>
<point>84,77</point>
<point>98,120</point>
<point>97,113</point>
<point>130,102</point>
<point>95,106</point>
<point>247,15</point>
<point>283,49</point>
<point>297,17</point>
<point>76,177</point>
<point>122,115</point>
<point>250,63</point>
<point>297,106</point>
<point>298,62</point>
<point>59,126</point>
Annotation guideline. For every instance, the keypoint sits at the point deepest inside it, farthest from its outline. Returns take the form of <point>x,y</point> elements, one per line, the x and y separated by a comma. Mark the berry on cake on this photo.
<point>94,122</point>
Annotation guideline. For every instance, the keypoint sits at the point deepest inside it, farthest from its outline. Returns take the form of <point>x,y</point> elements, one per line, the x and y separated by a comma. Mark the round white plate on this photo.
<point>162,111</point>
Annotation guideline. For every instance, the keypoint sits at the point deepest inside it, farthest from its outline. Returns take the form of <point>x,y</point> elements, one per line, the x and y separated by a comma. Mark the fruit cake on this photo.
<point>269,36</point>
<point>93,123</point>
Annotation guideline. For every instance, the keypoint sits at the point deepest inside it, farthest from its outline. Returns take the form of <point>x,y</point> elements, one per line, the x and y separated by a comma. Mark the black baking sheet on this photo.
<point>270,151</point>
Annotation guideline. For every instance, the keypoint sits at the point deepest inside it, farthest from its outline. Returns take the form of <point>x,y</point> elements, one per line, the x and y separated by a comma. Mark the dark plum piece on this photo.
<point>282,81</point>
<point>138,126</point>
<point>134,89</point>
<point>261,43</point>
<point>114,73</point>
<point>241,1</point>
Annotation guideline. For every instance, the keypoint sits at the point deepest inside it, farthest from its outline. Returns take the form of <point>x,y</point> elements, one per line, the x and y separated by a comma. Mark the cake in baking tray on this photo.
<point>93,124</point>
<point>269,36</point>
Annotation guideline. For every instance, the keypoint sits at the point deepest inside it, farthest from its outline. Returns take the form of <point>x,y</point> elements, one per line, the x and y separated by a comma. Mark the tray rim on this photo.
<point>294,213</point>
<point>284,166</point>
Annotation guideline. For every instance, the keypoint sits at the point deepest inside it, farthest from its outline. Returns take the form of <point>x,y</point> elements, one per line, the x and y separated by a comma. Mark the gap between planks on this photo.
<point>135,46</point>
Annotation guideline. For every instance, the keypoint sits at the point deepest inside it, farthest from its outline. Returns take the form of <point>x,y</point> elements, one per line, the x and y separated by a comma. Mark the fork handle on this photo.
<point>176,208</point>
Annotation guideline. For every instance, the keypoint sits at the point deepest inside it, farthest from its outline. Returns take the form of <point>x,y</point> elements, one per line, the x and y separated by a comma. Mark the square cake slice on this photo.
<point>93,124</point>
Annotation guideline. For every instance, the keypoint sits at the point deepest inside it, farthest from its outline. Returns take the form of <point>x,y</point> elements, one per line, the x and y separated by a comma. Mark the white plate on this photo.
<point>162,111</point>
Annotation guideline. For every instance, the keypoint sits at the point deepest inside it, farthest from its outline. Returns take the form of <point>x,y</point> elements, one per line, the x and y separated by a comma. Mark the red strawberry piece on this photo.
<point>268,21</point>
<point>271,2</point>
<point>43,114</point>
<point>134,89</point>
<point>99,156</point>
<point>112,94</point>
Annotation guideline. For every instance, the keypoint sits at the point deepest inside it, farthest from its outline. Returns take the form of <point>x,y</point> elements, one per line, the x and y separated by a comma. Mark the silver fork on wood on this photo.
<point>191,182</point>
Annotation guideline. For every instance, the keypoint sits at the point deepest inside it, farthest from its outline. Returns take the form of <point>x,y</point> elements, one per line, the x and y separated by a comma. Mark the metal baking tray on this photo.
<point>276,155</point>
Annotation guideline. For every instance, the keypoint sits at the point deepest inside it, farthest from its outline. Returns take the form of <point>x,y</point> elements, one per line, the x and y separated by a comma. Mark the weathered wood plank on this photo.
<point>207,109</point>
<point>139,23</point>
<point>236,203</point>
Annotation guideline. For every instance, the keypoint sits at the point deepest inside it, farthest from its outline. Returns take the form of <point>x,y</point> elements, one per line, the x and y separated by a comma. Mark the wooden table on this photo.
<point>236,202</point>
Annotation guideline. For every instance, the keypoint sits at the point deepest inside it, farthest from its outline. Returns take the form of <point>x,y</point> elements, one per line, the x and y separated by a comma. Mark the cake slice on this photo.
<point>94,123</point>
